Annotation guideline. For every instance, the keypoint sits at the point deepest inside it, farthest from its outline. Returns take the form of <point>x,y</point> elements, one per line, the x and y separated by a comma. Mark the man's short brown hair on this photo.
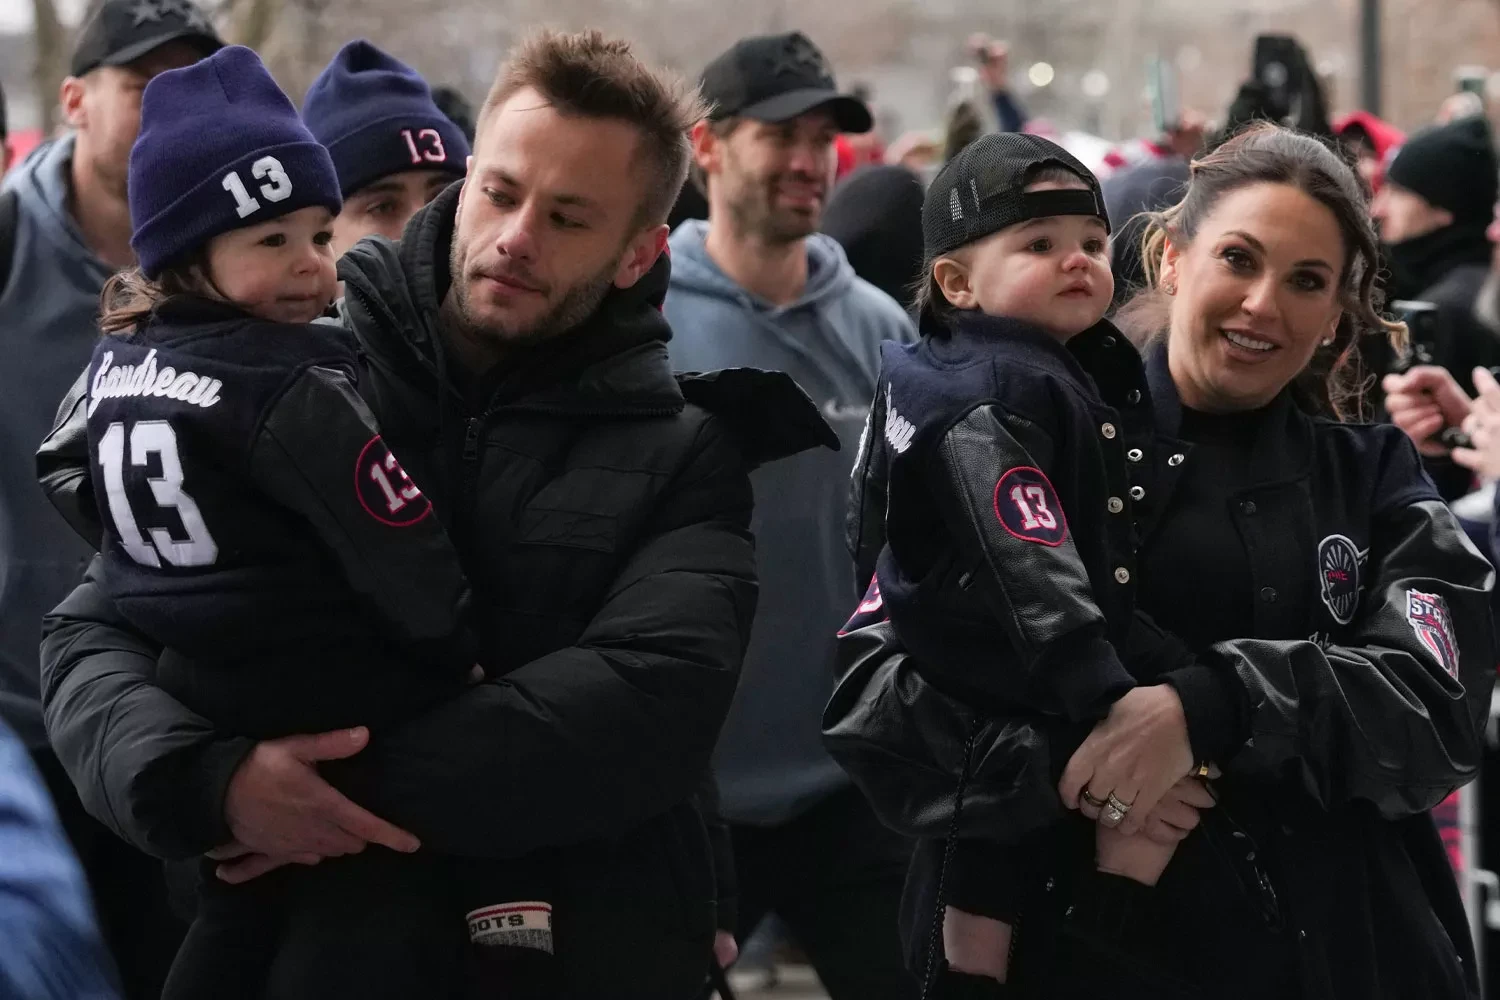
<point>590,76</point>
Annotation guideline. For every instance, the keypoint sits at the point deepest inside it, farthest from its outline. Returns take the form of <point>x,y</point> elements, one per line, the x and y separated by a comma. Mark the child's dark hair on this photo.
<point>1332,384</point>
<point>129,297</point>
<point>933,310</point>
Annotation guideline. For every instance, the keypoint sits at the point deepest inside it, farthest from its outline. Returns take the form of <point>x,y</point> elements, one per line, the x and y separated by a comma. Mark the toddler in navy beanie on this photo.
<point>259,529</point>
<point>221,148</point>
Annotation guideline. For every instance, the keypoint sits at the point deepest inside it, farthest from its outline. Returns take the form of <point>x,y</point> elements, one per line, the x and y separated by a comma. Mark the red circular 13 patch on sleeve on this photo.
<point>1027,507</point>
<point>384,489</point>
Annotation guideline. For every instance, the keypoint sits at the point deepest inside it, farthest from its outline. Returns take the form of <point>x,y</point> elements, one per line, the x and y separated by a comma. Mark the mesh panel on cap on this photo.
<point>979,191</point>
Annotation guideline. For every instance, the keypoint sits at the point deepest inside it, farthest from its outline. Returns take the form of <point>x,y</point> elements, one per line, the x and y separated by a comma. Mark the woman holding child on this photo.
<point>1163,660</point>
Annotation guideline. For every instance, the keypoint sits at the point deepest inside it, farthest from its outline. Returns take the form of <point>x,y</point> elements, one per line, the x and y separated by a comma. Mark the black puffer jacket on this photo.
<point>601,509</point>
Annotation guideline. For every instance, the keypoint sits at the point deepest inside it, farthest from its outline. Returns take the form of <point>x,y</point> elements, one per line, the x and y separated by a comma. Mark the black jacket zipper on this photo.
<point>468,475</point>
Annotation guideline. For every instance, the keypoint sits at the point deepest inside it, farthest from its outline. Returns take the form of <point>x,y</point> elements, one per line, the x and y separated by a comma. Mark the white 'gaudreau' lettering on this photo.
<point>898,430</point>
<point>145,379</point>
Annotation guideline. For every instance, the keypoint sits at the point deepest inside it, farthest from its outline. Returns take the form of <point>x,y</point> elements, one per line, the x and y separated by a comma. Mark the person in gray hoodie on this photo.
<point>71,231</point>
<point>757,286</point>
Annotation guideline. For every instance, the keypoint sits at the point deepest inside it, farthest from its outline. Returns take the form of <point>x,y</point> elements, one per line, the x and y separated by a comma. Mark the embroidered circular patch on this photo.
<point>1027,507</point>
<point>384,489</point>
<point>1338,577</point>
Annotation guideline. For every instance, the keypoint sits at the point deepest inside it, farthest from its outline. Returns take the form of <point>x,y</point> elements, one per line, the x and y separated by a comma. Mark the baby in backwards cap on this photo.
<point>993,483</point>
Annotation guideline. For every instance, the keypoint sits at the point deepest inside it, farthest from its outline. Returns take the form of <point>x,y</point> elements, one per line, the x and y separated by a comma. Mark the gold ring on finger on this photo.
<point>1096,803</point>
<point>1120,807</point>
<point>1111,816</point>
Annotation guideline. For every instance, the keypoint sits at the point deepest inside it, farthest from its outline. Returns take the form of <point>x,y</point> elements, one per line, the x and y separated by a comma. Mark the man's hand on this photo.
<point>1483,427</point>
<point>279,807</point>
<point>1138,752</point>
<point>1424,400</point>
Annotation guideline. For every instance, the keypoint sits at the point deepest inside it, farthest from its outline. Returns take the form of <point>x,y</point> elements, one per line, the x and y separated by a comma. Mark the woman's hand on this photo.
<point>1483,427</point>
<point>1138,752</point>
<point>1422,402</point>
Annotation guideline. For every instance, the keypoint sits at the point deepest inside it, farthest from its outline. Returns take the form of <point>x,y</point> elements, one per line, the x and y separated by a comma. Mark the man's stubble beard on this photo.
<point>576,305</point>
<point>755,215</point>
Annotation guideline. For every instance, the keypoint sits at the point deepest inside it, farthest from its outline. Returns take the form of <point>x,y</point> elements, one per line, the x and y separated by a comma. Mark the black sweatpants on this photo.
<point>129,889</point>
<point>834,874</point>
<point>377,925</point>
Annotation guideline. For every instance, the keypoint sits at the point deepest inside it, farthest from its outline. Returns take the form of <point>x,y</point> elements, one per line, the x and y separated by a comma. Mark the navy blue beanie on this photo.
<point>377,117</point>
<point>220,148</point>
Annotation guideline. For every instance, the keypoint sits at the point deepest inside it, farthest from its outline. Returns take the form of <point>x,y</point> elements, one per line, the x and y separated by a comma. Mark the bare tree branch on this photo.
<point>51,56</point>
<point>251,21</point>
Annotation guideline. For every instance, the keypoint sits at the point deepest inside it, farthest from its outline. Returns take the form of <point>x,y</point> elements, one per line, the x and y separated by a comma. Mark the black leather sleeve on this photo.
<point>1395,715</point>
<point>315,447</point>
<point>868,489</point>
<point>1039,593</point>
<point>62,465</point>
<point>902,741</point>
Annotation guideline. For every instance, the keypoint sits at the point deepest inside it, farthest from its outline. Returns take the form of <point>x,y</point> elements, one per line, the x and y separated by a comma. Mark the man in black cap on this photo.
<point>757,285</point>
<point>1437,201</point>
<point>69,229</point>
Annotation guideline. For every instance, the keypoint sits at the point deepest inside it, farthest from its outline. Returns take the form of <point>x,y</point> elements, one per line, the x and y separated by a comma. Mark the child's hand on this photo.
<point>726,950</point>
<point>1134,857</point>
<point>977,945</point>
<point>1176,815</point>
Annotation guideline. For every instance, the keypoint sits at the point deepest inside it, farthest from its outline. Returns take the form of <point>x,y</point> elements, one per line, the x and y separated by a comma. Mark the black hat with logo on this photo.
<point>124,30</point>
<point>982,190</point>
<point>775,78</point>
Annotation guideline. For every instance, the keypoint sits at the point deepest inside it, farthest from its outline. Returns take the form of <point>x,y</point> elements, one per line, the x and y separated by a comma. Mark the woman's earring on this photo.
<point>1328,342</point>
<point>1169,289</point>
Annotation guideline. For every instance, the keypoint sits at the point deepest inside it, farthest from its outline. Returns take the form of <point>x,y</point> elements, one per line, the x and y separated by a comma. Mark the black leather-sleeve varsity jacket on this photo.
<point>249,512</point>
<point>991,511</point>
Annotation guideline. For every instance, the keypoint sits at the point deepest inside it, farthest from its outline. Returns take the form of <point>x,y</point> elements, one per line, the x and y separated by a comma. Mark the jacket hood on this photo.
<point>43,183</point>
<point>828,271</point>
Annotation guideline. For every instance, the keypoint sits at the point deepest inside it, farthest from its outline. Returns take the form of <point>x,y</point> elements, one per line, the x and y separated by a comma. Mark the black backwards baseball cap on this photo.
<point>982,190</point>
<point>775,78</point>
<point>124,30</point>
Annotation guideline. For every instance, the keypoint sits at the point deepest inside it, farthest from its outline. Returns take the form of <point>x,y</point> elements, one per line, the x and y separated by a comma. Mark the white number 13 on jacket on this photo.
<point>147,438</point>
